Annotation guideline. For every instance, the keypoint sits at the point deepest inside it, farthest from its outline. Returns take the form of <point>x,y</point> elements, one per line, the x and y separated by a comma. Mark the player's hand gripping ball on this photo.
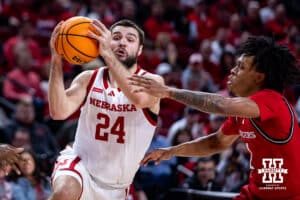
<point>73,42</point>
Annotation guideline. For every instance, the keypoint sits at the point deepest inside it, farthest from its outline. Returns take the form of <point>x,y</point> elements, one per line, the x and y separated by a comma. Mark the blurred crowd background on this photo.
<point>191,43</point>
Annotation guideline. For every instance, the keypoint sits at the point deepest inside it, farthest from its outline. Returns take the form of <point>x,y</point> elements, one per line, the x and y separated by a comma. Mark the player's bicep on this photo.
<point>242,107</point>
<point>77,91</point>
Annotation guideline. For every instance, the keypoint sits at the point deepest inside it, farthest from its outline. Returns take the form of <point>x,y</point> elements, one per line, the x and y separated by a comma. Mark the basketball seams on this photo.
<point>62,46</point>
<point>73,42</point>
<point>67,34</point>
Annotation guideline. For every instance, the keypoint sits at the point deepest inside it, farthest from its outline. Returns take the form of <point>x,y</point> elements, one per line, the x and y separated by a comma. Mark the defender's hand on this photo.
<point>149,86</point>
<point>10,158</point>
<point>157,156</point>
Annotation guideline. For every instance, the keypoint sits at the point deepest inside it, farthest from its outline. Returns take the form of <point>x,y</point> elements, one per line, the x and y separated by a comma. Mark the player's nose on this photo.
<point>122,42</point>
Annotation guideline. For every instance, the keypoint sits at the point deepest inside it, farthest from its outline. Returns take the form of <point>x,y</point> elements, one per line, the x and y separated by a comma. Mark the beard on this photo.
<point>130,61</point>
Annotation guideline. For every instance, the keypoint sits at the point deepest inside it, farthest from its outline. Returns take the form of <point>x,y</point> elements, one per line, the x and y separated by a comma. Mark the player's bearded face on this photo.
<point>129,61</point>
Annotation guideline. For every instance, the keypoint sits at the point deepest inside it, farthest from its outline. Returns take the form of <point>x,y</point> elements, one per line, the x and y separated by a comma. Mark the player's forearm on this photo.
<point>200,147</point>
<point>205,102</point>
<point>57,96</point>
<point>120,74</point>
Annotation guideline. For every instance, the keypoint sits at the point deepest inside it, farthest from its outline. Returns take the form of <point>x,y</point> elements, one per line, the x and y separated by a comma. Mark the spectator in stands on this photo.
<point>267,13</point>
<point>73,8</point>
<point>128,10</point>
<point>201,25</point>
<point>156,179</point>
<point>195,71</point>
<point>226,62</point>
<point>233,167</point>
<point>6,192</point>
<point>220,45</point>
<point>204,176</point>
<point>149,58</point>
<point>156,22</point>
<point>21,138</point>
<point>292,40</point>
<point>42,140</point>
<point>170,110</point>
<point>22,81</point>
<point>279,26</point>
<point>235,30</point>
<point>101,11</point>
<point>208,64</point>
<point>214,123</point>
<point>25,35</point>
<point>33,183</point>
<point>183,166</point>
<point>163,40</point>
<point>190,121</point>
<point>252,22</point>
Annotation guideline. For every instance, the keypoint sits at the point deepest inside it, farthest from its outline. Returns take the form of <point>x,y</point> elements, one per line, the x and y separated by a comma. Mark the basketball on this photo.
<point>73,42</point>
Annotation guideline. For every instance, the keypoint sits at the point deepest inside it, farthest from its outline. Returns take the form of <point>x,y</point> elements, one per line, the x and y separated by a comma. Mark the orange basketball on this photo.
<point>73,42</point>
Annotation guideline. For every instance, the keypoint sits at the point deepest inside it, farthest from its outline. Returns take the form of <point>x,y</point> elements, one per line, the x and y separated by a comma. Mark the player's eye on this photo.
<point>130,39</point>
<point>116,37</point>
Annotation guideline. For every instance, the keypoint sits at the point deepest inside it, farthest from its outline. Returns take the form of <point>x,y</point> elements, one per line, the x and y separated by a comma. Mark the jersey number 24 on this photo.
<point>116,129</point>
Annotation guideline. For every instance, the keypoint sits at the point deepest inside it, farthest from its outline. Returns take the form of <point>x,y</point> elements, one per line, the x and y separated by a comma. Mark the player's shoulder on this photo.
<point>85,76</point>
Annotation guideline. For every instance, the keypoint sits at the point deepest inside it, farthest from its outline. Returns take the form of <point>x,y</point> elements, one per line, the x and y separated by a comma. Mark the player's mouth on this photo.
<point>230,80</point>
<point>121,53</point>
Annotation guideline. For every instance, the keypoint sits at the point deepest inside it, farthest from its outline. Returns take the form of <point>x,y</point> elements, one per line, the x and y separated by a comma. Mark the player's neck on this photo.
<point>113,82</point>
<point>133,68</point>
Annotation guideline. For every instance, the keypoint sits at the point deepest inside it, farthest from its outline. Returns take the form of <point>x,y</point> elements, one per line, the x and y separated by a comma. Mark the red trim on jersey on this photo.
<point>137,69</point>
<point>99,90</point>
<point>145,72</point>
<point>148,117</point>
<point>74,162</point>
<point>72,168</point>
<point>88,89</point>
<point>105,78</point>
<point>92,80</point>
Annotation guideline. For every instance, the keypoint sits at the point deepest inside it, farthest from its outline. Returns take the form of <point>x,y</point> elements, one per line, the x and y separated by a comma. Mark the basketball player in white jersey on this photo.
<point>115,126</point>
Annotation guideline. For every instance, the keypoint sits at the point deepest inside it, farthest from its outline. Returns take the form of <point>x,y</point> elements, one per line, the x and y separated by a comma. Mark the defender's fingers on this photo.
<point>140,82</point>
<point>146,159</point>
<point>158,161</point>
<point>140,78</point>
<point>19,150</point>
<point>16,169</point>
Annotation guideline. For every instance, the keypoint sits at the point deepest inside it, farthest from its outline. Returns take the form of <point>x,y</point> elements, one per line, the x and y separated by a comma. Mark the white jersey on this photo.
<point>112,134</point>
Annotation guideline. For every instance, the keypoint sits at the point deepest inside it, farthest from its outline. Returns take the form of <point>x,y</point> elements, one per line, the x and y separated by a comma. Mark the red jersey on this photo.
<point>273,141</point>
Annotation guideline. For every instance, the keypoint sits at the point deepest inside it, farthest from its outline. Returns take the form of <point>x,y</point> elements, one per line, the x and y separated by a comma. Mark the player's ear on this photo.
<point>260,77</point>
<point>140,50</point>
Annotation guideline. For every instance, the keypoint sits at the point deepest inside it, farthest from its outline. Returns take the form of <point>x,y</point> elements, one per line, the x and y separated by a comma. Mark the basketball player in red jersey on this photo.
<point>115,126</point>
<point>259,114</point>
